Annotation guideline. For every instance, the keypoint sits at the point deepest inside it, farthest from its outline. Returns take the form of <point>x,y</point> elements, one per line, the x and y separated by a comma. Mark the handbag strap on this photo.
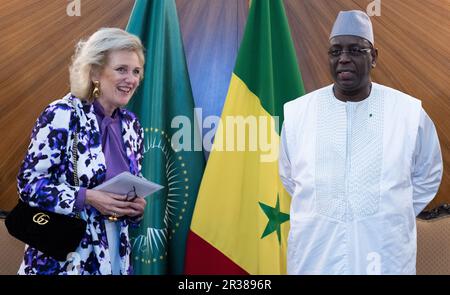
<point>75,147</point>
<point>75,151</point>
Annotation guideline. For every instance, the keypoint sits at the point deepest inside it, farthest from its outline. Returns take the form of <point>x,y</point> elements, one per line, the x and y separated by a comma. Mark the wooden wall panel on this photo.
<point>37,40</point>
<point>414,54</point>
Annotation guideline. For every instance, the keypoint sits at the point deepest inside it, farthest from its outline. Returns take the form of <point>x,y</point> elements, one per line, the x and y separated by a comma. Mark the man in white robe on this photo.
<point>361,161</point>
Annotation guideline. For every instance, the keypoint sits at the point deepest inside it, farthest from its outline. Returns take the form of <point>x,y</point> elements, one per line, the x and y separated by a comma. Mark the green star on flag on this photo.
<point>276,218</point>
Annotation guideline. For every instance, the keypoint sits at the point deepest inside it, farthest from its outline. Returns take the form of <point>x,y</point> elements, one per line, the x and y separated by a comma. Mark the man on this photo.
<point>360,161</point>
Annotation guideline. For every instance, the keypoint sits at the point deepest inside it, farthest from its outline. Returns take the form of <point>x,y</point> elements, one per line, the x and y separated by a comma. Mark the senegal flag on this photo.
<point>241,217</point>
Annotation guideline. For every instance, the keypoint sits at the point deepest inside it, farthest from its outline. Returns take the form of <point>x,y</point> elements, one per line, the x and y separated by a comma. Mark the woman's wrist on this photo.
<point>89,196</point>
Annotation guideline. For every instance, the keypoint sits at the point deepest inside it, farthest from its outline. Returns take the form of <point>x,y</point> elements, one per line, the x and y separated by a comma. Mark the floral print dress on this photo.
<point>45,180</point>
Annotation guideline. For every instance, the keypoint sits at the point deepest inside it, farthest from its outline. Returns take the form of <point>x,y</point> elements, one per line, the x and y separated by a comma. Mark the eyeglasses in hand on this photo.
<point>131,195</point>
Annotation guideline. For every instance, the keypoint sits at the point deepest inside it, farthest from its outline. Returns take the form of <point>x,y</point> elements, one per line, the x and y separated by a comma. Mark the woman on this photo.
<point>105,72</point>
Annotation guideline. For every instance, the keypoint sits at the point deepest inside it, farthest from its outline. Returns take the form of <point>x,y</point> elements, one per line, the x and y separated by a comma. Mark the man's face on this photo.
<point>351,70</point>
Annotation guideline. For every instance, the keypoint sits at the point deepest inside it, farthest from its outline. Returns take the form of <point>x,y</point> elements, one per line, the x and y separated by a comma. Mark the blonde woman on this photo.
<point>105,72</point>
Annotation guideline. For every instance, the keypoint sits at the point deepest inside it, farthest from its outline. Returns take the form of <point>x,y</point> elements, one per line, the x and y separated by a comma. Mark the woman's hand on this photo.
<point>110,204</point>
<point>138,206</point>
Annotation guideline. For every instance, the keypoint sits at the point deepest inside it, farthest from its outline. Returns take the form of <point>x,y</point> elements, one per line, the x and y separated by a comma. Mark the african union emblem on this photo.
<point>166,208</point>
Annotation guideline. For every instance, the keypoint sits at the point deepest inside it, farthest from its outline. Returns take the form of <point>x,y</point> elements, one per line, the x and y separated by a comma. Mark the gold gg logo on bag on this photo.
<point>41,218</point>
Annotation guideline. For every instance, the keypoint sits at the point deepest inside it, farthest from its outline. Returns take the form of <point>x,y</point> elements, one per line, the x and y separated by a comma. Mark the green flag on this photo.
<point>164,99</point>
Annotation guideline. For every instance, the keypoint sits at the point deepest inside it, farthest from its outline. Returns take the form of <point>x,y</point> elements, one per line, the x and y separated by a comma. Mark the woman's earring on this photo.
<point>96,91</point>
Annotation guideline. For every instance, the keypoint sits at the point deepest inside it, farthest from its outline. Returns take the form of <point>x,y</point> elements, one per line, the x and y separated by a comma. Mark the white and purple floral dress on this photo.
<point>45,180</point>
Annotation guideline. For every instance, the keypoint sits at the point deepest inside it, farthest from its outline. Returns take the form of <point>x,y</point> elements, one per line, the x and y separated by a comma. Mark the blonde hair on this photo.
<point>91,55</point>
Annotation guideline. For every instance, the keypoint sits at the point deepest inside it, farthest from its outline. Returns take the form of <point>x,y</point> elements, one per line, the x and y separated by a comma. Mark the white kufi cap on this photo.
<point>353,23</point>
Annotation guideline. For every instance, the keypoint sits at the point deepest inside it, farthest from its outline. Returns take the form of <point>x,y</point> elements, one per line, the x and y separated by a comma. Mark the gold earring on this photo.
<point>96,91</point>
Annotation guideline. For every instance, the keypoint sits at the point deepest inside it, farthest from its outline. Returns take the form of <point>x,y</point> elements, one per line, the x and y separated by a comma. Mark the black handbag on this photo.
<point>53,234</point>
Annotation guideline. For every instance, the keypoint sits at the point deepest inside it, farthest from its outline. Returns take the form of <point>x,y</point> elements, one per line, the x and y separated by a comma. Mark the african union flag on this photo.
<point>164,98</point>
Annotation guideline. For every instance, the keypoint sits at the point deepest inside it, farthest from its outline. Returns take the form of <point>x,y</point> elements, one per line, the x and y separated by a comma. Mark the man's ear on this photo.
<point>374,53</point>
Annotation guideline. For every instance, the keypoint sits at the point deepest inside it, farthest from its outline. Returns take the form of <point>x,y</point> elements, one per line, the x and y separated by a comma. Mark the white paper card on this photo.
<point>125,182</point>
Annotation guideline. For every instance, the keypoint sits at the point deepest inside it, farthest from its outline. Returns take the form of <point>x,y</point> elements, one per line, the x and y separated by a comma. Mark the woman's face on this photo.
<point>119,79</point>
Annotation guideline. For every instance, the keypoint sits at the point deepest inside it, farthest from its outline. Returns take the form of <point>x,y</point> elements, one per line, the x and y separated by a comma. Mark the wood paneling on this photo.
<point>414,54</point>
<point>37,40</point>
